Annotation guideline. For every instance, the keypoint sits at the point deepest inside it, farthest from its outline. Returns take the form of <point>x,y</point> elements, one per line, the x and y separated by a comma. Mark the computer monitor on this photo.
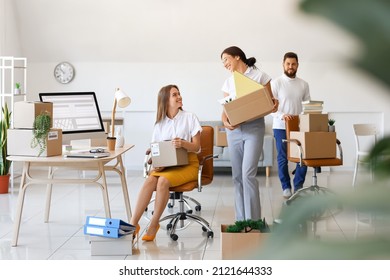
<point>77,114</point>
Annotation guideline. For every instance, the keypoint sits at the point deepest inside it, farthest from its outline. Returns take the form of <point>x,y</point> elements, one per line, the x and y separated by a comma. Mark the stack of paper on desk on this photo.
<point>107,227</point>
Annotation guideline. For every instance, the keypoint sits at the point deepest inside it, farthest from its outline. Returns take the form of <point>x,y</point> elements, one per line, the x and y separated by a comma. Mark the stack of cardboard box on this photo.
<point>20,136</point>
<point>317,142</point>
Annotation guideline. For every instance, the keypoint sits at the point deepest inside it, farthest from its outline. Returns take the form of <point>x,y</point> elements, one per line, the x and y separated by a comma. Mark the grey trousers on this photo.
<point>245,147</point>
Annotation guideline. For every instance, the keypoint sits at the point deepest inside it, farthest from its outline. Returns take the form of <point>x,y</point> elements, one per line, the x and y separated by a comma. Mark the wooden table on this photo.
<point>60,163</point>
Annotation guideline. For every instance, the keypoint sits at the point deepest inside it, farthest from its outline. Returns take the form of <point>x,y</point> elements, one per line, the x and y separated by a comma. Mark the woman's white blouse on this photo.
<point>184,125</point>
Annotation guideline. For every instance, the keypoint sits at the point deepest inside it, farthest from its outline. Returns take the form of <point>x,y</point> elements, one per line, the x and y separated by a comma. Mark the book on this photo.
<point>312,102</point>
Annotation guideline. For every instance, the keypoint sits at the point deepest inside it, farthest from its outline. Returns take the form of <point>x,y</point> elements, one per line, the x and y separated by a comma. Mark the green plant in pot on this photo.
<point>17,88</point>
<point>41,128</point>
<point>4,163</point>
<point>331,125</point>
<point>248,226</point>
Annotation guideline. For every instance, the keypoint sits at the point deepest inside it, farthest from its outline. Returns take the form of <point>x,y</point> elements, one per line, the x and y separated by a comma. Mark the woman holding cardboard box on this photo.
<point>245,141</point>
<point>183,129</point>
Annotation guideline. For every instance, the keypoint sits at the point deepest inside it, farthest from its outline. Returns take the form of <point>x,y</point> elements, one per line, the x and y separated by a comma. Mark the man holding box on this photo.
<point>290,91</point>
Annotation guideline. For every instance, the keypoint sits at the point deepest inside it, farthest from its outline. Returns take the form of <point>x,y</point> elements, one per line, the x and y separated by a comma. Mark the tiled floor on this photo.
<point>62,238</point>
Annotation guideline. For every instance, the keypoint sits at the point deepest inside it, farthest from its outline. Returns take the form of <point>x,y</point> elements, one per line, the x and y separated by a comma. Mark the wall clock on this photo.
<point>64,72</point>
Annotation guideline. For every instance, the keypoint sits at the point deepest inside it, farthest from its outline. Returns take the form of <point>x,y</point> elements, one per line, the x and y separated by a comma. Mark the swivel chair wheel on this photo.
<point>174,237</point>
<point>170,205</point>
<point>204,229</point>
<point>198,208</point>
<point>169,226</point>
<point>189,211</point>
<point>210,234</point>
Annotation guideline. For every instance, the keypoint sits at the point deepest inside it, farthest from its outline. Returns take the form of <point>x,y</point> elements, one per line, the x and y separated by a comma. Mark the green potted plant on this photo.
<point>41,128</point>
<point>239,239</point>
<point>4,163</point>
<point>17,89</point>
<point>331,127</point>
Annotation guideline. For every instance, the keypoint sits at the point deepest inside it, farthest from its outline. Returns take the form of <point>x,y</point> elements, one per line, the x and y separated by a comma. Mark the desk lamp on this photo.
<point>122,100</point>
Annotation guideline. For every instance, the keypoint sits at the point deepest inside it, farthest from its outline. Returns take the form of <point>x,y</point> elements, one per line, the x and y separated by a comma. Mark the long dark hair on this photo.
<point>163,101</point>
<point>236,51</point>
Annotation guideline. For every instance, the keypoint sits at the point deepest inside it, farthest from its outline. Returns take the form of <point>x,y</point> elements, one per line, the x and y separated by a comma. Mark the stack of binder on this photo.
<point>312,107</point>
<point>107,227</point>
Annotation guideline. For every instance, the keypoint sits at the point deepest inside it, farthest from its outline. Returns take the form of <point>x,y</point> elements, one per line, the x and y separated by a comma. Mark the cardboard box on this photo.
<point>103,246</point>
<point>313,123</point>
<point>249,107</point>
<point>220,136</point>
<point>19,143</point>
<point>26,111</point>
<point>314,144</point>
<point>164,154</point>
<point>236,245</point>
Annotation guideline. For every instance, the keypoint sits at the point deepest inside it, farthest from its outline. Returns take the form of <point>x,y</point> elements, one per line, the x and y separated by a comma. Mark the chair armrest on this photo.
<point>299,144</point>
<point>200,169</point>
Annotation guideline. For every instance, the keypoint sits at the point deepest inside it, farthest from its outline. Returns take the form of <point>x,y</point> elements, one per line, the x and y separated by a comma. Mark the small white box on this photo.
<point>105,246</point>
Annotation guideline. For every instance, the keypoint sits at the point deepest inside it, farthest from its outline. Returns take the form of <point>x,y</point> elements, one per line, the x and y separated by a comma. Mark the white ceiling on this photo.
<point>161,30</point>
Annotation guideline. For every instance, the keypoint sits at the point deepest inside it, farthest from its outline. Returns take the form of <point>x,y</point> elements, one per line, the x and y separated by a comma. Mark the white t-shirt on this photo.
<point>290,93</point>
<point>255,74</point>
<point>184,125</point>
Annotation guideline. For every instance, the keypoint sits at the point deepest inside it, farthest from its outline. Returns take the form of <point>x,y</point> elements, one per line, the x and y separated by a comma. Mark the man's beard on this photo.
<point>292,75</point>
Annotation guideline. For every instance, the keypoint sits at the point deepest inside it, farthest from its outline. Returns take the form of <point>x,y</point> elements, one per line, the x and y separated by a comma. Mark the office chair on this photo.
<point>365,139</point>
<point>178,220</point>
<point>316,164</point>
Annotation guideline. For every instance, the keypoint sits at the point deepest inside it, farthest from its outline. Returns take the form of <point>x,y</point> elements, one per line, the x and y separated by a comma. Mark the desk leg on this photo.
<point>19,207</point>
<point>105,190</point>
<point>48,195</point>
<point>124,188</point>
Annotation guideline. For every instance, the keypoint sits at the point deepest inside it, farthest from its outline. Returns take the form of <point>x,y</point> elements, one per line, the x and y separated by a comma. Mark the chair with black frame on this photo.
<point>182,218</point>
<point>316,164</point>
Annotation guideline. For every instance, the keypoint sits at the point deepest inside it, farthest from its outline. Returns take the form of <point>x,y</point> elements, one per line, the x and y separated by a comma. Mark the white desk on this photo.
<point>59,162</point>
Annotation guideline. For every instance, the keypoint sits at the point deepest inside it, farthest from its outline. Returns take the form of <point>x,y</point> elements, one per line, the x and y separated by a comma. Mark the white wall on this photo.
<point>143,45</point>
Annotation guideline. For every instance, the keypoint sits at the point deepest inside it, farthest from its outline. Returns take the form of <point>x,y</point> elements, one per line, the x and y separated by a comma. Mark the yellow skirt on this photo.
<point>178,175</point>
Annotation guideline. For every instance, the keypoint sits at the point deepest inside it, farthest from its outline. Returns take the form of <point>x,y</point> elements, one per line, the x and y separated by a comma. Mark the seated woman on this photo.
<point>183,129</point>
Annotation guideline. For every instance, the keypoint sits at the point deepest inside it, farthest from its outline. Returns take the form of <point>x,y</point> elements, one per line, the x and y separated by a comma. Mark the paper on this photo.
<point>245,85</point>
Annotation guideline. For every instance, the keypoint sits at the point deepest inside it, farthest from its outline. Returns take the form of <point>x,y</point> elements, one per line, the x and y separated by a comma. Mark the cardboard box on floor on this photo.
<point>164,154</point>
<point>220,136</point>
<point>313,123</point>
<point>104,246</point>
<point>240,246</point>
<point>19,143</point>
<point>25,112</point>
<point>315,145</point>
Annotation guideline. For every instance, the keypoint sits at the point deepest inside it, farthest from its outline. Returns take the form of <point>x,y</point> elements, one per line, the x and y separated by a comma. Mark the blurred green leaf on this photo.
<point>369,21</point>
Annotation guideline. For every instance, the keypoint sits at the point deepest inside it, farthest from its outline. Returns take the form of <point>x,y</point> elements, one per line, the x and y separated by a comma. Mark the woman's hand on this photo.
<point>178,143</point>
<point>229,126</point>
<point>157,169</point>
